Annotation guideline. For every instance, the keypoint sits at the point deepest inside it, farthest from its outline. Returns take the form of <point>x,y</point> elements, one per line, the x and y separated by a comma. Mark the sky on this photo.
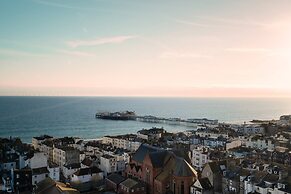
<point>187,48</point>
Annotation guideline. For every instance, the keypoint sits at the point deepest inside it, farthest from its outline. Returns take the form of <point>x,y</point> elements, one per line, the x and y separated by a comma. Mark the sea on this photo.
<point>26,117</point>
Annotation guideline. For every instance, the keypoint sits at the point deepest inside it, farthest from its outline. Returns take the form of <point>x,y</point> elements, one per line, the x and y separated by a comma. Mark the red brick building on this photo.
<point>163,171</point>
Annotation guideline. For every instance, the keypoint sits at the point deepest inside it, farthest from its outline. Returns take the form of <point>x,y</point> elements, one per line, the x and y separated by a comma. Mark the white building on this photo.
<point>200,156</point>
<point>87,174</point>
<point>54,171</point>
<point>38,165</point>
<point>128,142</point>
<point>47,149</point>
<point>259,142</point>
<point>107,164</point>
<point>70,169</point>
<point>233,144</point>
<point>66,155</point>
<point>210,134</point>
<point>285,120</point>
<point>38,160</point>
<point>248,128</point>
<point>39,174</point>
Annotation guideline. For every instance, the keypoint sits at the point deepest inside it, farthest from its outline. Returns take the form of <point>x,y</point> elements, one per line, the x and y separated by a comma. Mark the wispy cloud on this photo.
<point>54,4</point>
<point>171,55</point>
<point>248,50</point>
<point>206,21</point>
<point>191,23</point>
<point>276,52</point>
<point>99,41</point>
<point>233,21</point>
<point>76,53</point>
<point>11,52</point>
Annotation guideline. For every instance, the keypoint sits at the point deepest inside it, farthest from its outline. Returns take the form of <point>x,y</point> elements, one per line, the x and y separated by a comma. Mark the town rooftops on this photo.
<point>205,183</point>
<point>52,165</point>
<point>271,178</point>
<point>49,186</point>
<point>107,156</point>
<point>66,148</point>
<point>141,152</point>
<point>158,158</point>
<point>129,137</point>
<point>38,171</point>
<point>217,167</point>
<point>86,171</point>
<point>183,168</point>
<point>131,183</point>
<point>154,130</point>
<point>43,137</point>
<point>73,166</point>
<point>9,158</point>
<point>116,178</point>
<point>87,162</point>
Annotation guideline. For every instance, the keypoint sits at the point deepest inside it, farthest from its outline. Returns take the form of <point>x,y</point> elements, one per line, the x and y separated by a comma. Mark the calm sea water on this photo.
<point>26,117</point>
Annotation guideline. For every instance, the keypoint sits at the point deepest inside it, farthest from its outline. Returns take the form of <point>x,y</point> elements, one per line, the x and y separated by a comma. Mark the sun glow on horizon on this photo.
<point>181,49</point>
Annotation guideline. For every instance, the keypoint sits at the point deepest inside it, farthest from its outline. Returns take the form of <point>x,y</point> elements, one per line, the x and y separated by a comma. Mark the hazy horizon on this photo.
<point>145,48</point>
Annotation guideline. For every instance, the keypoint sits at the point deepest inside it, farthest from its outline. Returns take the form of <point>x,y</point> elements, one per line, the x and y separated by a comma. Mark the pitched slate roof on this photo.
<point>272,178</point>
<point>205,183</point>
<point>42,170</point>
<point>158,158</point>
<point>183,168</point>
<point>49,186</point>
<point>142,151</point>
<point>216,166</point>
<point>131,183</point>
<point>86,171</point>
<point>87,162</point>
<point>116,178</point>
<point>73,166</point>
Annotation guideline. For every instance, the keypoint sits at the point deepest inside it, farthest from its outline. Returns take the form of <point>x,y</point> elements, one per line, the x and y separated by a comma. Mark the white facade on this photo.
<point>107,164</point>
<point>38,160</point>
<point>39,177</point>
<point>69,171</point>
<point>142,136</point>
<point>199,157</point>
<point>260,143</point>
<point>86,177</point>
<point>66,155</point>
<point>248,128</point>
<point>47,150</point>
<point>211,134</point>
<point>121,143</point>
<point>54,173</point>
<point>233,144</point>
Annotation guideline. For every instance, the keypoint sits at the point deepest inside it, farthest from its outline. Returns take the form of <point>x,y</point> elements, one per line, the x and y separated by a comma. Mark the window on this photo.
<point>182,187</point>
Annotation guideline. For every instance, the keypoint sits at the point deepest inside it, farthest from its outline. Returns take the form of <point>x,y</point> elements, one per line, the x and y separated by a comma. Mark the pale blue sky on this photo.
<point>153,47</point>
